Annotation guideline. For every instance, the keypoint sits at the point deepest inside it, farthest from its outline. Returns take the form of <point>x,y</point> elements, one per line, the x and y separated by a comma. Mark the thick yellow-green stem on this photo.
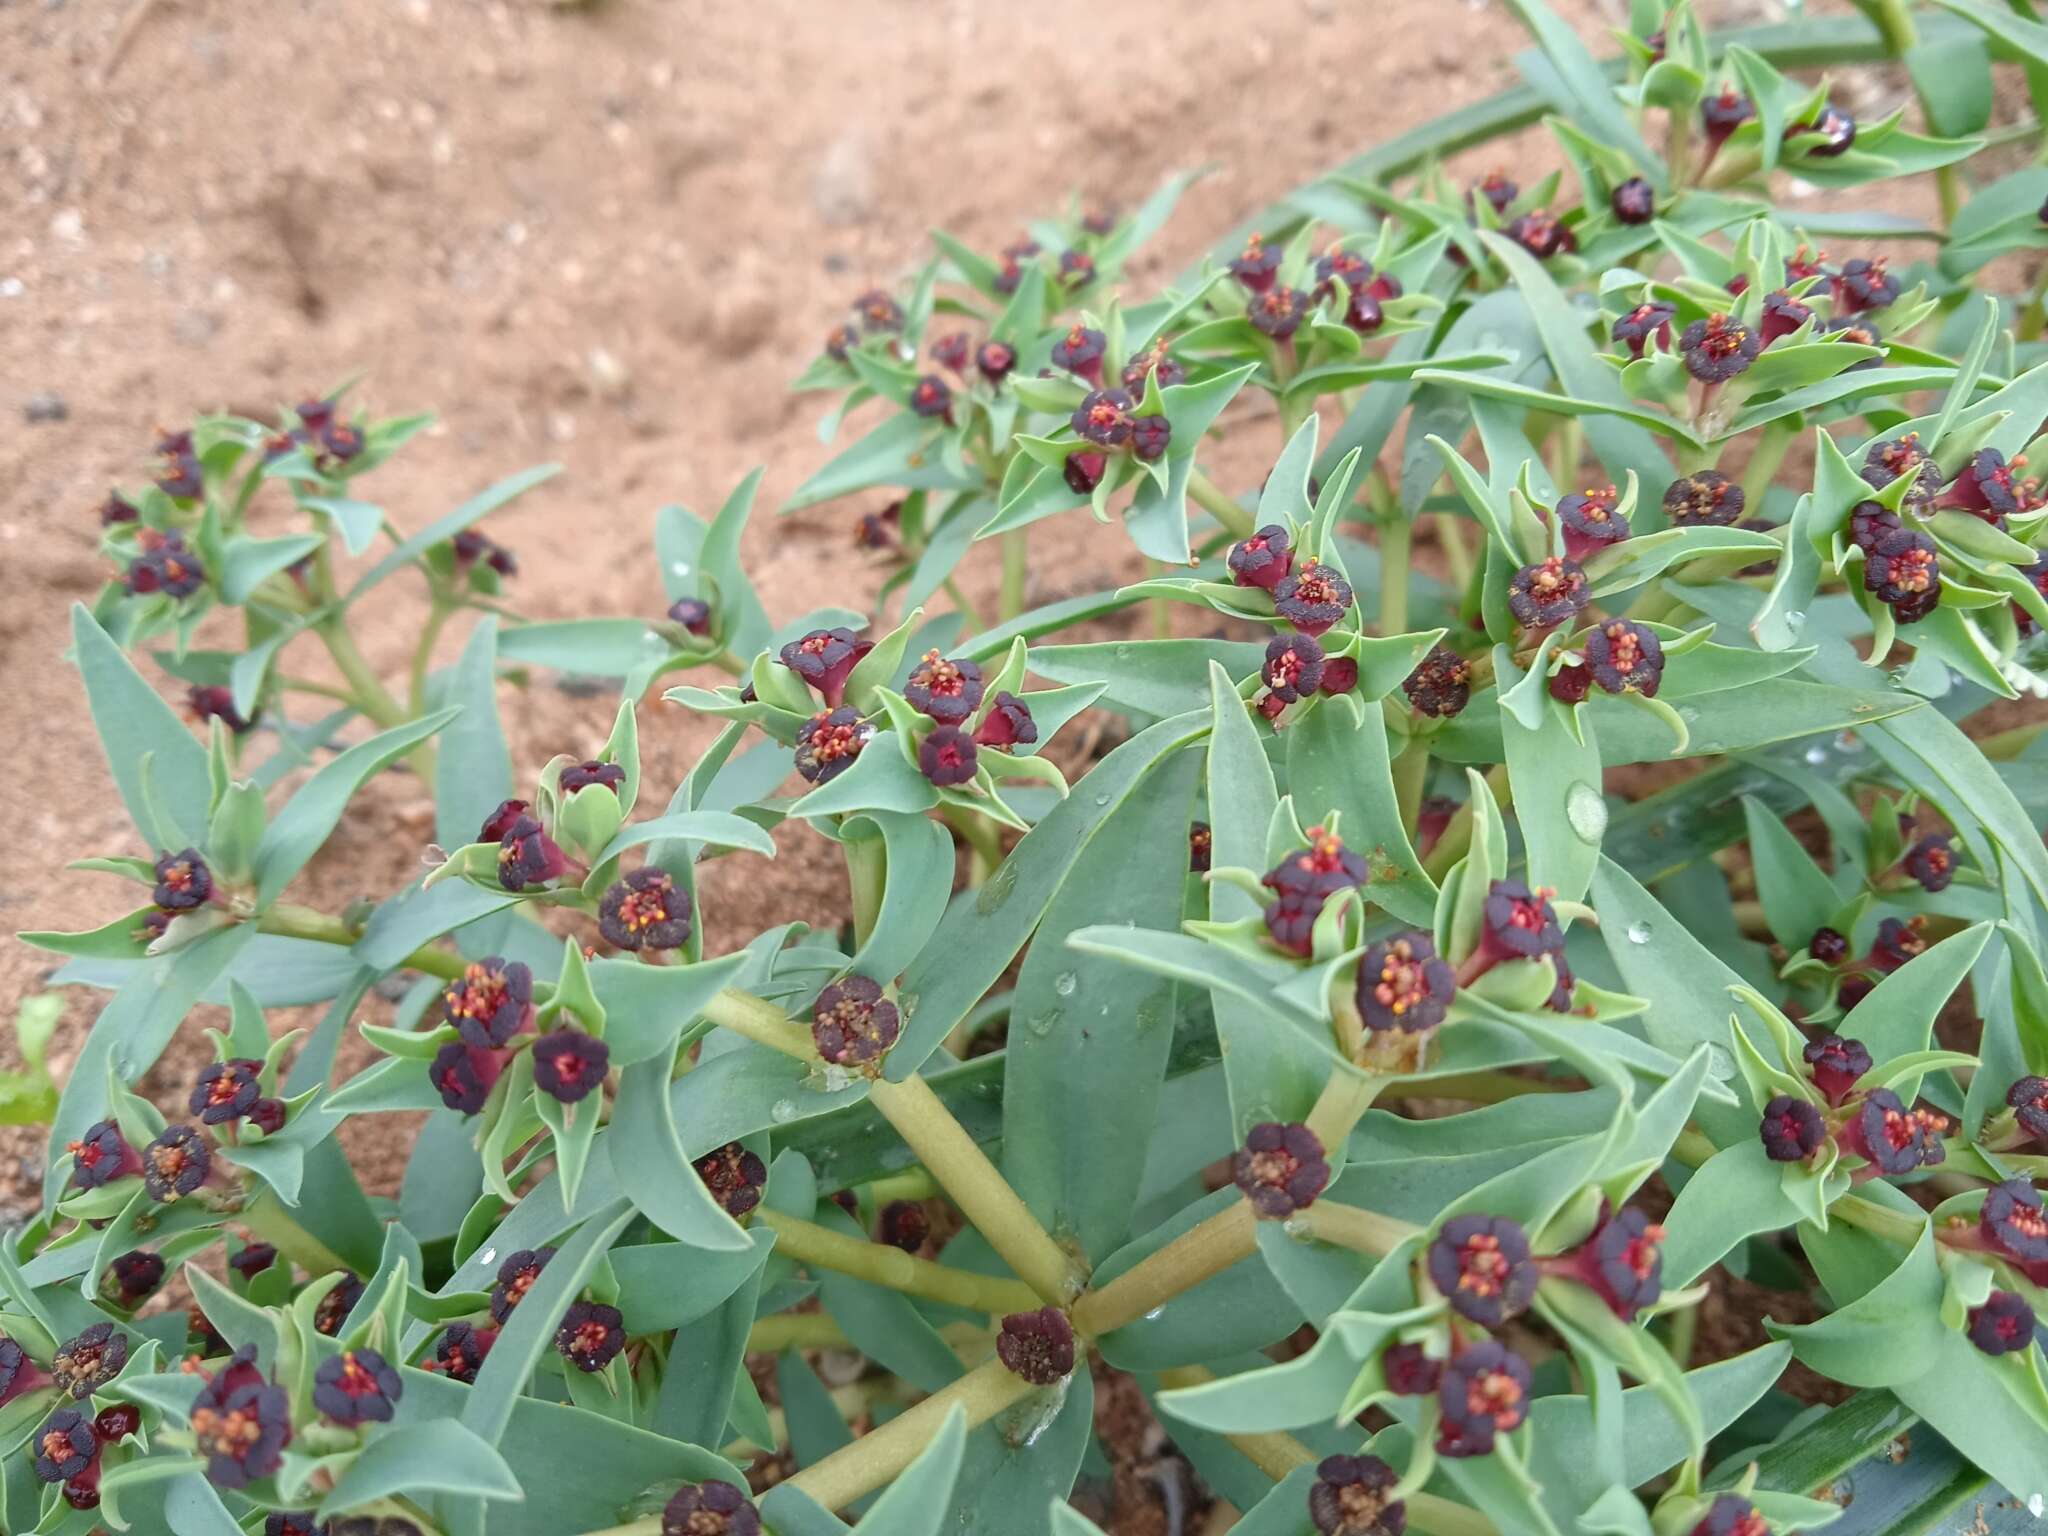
<point>1205,1249</point>
<point>884,1265</point>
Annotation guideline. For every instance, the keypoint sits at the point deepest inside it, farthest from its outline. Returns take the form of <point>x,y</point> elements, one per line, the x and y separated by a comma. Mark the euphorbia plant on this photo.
<point>1356,1052</point>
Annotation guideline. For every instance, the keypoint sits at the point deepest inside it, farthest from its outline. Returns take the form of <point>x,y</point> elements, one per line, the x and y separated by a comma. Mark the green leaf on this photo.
<point>1889,1334</point>
<point>444,528</point>
<point>1337,760</point>
<point>442,1454</point>
<point>473,765</point>
<point>1736,1192</point>
<point>141,734</point>
<point>1591,100</point>
<point>900,452</point>
<point>591,647</point>
<point>251,562</point>
<point>648,1158</point>
<point>1798,898</point>
<point>1905,1004</point>
<point>916,1502</point>
<point>1560,808</point>
<point>303,825</point>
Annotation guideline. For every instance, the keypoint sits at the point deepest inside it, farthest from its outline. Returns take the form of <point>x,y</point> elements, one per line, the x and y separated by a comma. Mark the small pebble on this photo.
<point>45,405</point>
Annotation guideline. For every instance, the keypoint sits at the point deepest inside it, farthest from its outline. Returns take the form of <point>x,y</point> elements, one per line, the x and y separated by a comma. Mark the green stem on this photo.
<point>1205,1249</point>
<point>1894,19</point>
<point>761,1022</point>
<point>1396,538</point>
<point>1219,504</point>
<point>884,1265</point>
<point>304,923</point>
<point>423,655</point>
<point>981,837</point>
<point>1016,566</point>
<point>878,1456</point>
<point>268,1219</point>
<point>867,865</point>
<point>1361,1231</point>
<point>1341,1105</point>
<point>1411,773</point>
<point>1450,537</point>
<point>1764,462</point>
<point>370,693</point>
<point>324,690</point>
<point>967,609</point>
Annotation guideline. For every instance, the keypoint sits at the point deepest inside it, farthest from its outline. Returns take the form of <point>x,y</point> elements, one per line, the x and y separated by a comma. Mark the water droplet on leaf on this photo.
<point>1586,811</point>
<point>1065,982</point>
<point>1639,932</point>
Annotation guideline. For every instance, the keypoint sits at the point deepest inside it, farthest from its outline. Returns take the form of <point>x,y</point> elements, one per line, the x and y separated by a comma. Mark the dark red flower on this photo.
<point>710,1509</point>
<point>1863,284</point>
<point>1362,312</point>
<point>183,881</point>
<point>2013,1223</point>
<point>823,658</point>
<point>904,1224</point>
<point>1548,593</point>
<point>1150,436</point>
<point>1731,1515</point>
<point>1303,882</point>
<point>216,704</point>
<point>1891,1137</point>
<point>338,1304</point>
<point>1541,235</point>
<point>1861,331</point>
<point>267,1115</point>
<point>828,742</point>
<point>357,1386</point>
<point>1293,668</point>
<point>242,1423</point>
<point>948,756</point>
<point>501,821</point>
<point>133,1276</point>
<point>1897,942</point>
<point>490,1002</point>
<point>1782,315</point>
<point>1340,675</point>
<point>1646,322</point>
<point>515,1278</point>
<point>226,1090</point>
<point>1404,984</point>
<point>1201,845</point>
<point>878,312</point>
<point>464,1075</point>
<point>1038,1346</point>
<point>101,1155</point>
<point>253,1259</point>
<point>734,1176</point>
<point>178,471</point>
<point>1870,522</point>
<point>1791,1129</point>
<point>294,1522</point>
<point>1313,598</point>
<point>1835,1064</point>
<point>1903,571</point>
<point>1624,1262</point>
<point>950,351</point>
<point>1483,1267</point>
<point>1411,1371</point>
<point>1432,820</point>
<point>1519,923</point>
<point>175,1164</point>
<point>1721,115</point>
<point>852,1023</point>
<point>1103,418</point>
<point>65,1446</point>
<point>1152,363</point>
<point>1498,188</point>
<point>1009,273</point>
<point>947,690</point>
<point>1590,521</point>
<point>2037,575</point>
<point>165,565</point>
<point>2028,1097</point>
<point>1624,656</point>
<point>932,396</point>
<point>1336,263</point>
<point>1263,560</point>
<point>568,1064</point>
<point>1008,723</point>
<point>583,775</point>
<point>1257,265</point>
<point>1278,312</point>
<point>1984,487</point>
<point>471,546</point>
<point>645,910</point>
<point>1837,127</point>
<point>118,509</point>
<point>1351,1496</point>
<point>1077,268</point>
<point>1083,472</point>
<point>1853,990</point>
<point>1718,348</point>
<point>1932,862</point>
<point>1707,499</point>
<point>591,1335</point>
<point>528,856</point>
<point>460,1351</point>
<point>1280,1169</point>
<point>1634,201</point>
<point>840,340</point>
<point>2004,1325</point>
<point>19,1375</point>
<point>83,1365</point>
<point>995,359</point>
<point>116,1423</point>
<point>1484,1395</point>
<point>1080,352</point>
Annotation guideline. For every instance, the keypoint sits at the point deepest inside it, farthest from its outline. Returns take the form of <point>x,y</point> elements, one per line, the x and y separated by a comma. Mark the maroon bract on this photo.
<point>1313,598</point>
<point>1484,1394</point>
<point>584,775</point>
<point>1362,312</point>
<point>100,1155</point>
<point>1038,1346</point>
<point>1782,315</point>
<point>118,509</point>
<point>1707,499</point>
<point>1548,593</point>
<point>1869,524</point>
<point>947,690</point>
<point>1625,657</point>
<point>1590,521</point>
<point>1352,1496</point>
<point>241,1423</point>
<point>1623,1261</point>
<point>1008,723</point>
<point>1732,1515</point>
<point>1645,323</point>
<point>2004,1325</point>
<point>828,742</point>
<point>1257,265</point>
<point>177,466</point>
<point>1835,1064</point>
<point>1518,923</point>
<point>1201,846</point>
<point>569,1065</point>
<point>948,756</point>
<point>1411,1371</point>
<point>1498,188</point>
<point>460,1351</point>
<point>1103,418</point>
<point>852,1023</point>
<point>1634,201</point>
<point>840,340</point>
<point>710,1509</point>
<point>1303,881</point>
<point>932,396</point>
<point>338,1305</point>
<point>18,1374</point>
<point>1791,1129</point>
<point>253,1259</point>
<point>1984,487</point>
<point>226,1090</point>
<point>267,1116</point>
<point>183,881</point>
<point>134,1276</point>
<point>357,1386</point>
<point>1892,1138</point>
<point>1293,668</point>
<point>65,1446</point>
<point>216,704</point>
<point>490,1002</point>
<point>1932,862</point>
<point>1077,268</point>
<point>294,1522</point>
<point>1278,312</point>
<point>823,658</point>
<point>904,1224</point>
<point>1150,436</point>
<point>116,1423</point>
<point>1340,675</point>
<point>1898,940</point>
<point>516,1276</point>
<point>1718,348</point>
<point>995,359</point>
<point>1721,115</point>
<point>2028,1098</point>
<point>1263,560</point>
<point>175,1164</point>
<point>951,350</point>
<point>1083,472</point>
<point>735,1177</point>
<point>1432,820</point>
<point>1483,1267</point>
<point>1280,1169</point>
<point>527,856</point>
<point>2012,1222</point>
<point>1828,946</point>
<point>591,1335</point>
<point>1336,263</point>
<point>1541,235</point>
<point>878,312</point>
<point>1837,128</point>
<point>1865,283</point>
<point>1153,363</point>
<point>502,820</point>
<point>645,910</point>
<point>464,1075</point>
<point>1080,352</point>
<point>1571,684</point>
<point>1404,984</point>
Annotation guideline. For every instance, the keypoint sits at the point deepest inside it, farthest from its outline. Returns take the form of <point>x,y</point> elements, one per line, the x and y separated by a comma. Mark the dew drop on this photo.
<point>1300,1228</point>
<point>997,890</point>
<point>1795,620</point>
<point>1155,1314</point>
<point>1065,982</point>
<point>834,1079</point>
<point>488,1256</point>
<point>679,567</point>
<point>1816,755</point>
<point>1586,811</point>
<point>782,1111</point>
<point>1639,932</point>
<point>1042,1024</point>
<point>1102,799</point>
